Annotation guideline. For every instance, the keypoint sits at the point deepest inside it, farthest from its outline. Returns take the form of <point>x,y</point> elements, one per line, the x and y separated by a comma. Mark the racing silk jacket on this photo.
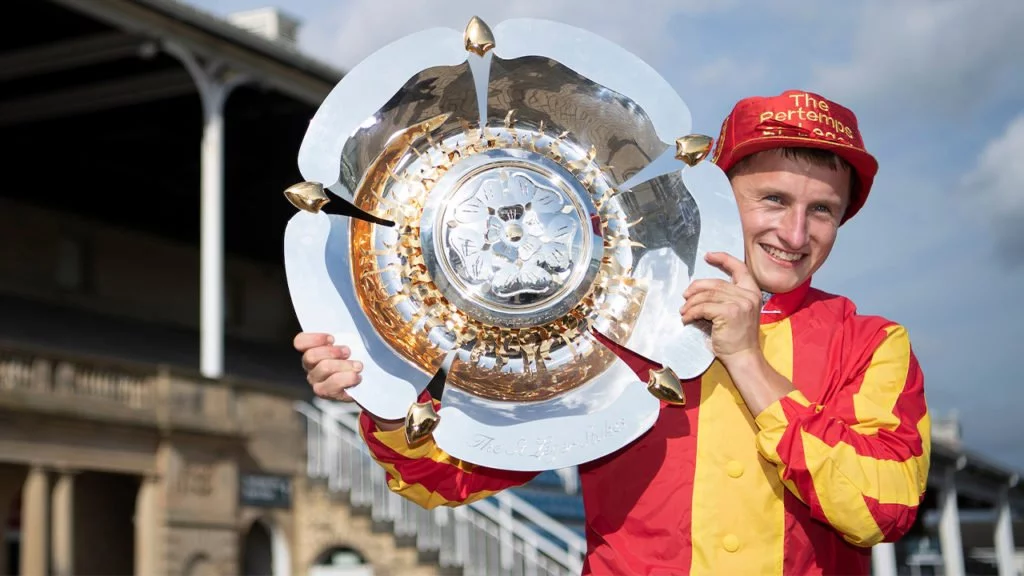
<point>805,487</point>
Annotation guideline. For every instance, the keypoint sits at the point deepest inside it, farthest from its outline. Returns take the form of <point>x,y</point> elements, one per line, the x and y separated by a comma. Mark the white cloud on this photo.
<point>996,184</point>
<point>726,72</point>
<point>353,30</point>
<point>930,56</point>
<point>997,179</point>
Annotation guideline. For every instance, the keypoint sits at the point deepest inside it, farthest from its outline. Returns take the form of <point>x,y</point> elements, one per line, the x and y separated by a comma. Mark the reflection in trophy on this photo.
<point>500,198</point>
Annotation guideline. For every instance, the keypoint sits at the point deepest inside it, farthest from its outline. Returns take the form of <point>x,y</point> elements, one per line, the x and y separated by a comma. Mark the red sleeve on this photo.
<point>427,475</point>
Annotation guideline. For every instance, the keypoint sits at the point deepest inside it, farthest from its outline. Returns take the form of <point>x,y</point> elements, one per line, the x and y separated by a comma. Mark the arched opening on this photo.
<point>265,550</point>
<point>340,561</point>
<point>258,555</point>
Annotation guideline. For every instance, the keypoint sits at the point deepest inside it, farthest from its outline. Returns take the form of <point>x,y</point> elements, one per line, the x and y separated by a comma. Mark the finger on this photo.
<point>706,311</point>
<point>326,368</point>
<point>698,299</point>
<point>703,285</point>
<point>314,356</point>
<point>722,293</point>
<point>735,268</point>
<point>305,340</point>
<point>335,387</point>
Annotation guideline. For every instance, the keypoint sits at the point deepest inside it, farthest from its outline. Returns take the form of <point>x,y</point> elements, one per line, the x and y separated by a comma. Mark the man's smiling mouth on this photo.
<point>782,254</point>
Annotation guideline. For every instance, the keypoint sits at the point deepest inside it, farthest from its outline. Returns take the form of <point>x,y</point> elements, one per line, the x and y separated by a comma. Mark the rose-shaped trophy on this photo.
<point>507,199</point>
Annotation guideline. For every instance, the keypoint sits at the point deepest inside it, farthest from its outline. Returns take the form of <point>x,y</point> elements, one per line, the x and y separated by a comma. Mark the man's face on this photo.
<point>790,211</point>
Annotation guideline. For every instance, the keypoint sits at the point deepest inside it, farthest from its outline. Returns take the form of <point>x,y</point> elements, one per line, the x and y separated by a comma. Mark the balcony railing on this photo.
<point>492,537</point>
<point>58,383</point>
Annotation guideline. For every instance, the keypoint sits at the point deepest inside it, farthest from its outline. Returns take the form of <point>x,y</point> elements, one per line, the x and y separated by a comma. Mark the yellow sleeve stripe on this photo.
<point>773,422</point>
<point>425,498</point>
<point>395,440</point>
<point>874,403</point>
<point>841,475</point>
<point>841,501</point>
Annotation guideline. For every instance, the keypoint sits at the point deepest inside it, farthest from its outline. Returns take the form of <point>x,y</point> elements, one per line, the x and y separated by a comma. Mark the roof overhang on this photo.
<point>267,62</point>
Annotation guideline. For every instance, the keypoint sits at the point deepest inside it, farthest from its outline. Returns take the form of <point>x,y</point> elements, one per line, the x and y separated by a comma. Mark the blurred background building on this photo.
<point>153,416</point>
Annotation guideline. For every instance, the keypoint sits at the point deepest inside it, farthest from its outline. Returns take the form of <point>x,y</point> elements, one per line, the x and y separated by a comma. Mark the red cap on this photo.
<point>796,118</point>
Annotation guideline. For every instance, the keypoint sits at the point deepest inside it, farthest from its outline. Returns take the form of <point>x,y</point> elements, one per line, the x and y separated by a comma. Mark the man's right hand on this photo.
<point>331,372</point>
<point>328,368</point>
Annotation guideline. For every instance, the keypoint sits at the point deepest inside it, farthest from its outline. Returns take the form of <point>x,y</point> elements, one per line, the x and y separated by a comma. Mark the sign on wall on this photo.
<point>265,490</point>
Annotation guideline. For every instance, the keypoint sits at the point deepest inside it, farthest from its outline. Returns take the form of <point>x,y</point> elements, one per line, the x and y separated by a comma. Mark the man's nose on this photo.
<point>793,230</point>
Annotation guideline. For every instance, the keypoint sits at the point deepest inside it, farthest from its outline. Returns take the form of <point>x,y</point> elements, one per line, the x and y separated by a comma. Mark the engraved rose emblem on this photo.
<point>513,233</point>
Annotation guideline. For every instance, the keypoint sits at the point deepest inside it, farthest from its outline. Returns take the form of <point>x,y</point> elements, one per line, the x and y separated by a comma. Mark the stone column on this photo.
<point>149,527</point>
<point>35,523</point>
<point>62,518</point>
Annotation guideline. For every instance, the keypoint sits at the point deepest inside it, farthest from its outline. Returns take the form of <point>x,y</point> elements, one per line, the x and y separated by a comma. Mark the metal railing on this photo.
<point>501,535</point>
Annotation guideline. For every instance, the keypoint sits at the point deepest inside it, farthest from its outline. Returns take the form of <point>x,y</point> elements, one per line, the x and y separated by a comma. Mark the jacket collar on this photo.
<point>776,307</point>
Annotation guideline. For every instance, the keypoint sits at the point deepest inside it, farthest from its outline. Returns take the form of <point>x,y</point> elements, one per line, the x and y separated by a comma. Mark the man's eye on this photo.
<point>823,209</point>
<point>773,198</point>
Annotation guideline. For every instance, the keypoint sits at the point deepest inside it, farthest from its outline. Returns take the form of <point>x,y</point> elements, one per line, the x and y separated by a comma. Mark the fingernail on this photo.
<point>344,349</point>
<point>330,339</point>
<point>357,366</point>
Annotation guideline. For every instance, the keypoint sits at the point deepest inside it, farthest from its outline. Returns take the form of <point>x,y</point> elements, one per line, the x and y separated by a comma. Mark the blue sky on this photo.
<point>939,94</point>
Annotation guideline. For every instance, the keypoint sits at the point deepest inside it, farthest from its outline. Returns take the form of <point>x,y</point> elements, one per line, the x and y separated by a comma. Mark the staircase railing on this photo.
<point>501,535</point>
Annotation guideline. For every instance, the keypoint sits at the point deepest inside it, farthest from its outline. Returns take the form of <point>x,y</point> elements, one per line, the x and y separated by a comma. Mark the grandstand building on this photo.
<point>153,416</point>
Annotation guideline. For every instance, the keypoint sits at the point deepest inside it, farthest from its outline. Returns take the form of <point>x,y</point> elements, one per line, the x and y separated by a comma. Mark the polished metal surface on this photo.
<point>665,386</point>
<point>509,201</point>
<point>478,37</point>
<point>507,236</point>
<point>421,422</point>
<point>308,196</point>
<point>693,148</point>
<point>521,320</point>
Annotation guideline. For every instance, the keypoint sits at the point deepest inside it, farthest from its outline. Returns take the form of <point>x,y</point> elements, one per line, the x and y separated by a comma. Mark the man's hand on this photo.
<point>330,371</point>
<point>328,367</point>
<point>734,309</point>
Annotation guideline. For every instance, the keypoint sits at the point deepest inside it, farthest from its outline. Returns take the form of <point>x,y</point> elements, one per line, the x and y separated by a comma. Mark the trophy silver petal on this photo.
<point>355,101</point>
<point>615,133</point>
<point>601,62</point>
<point>609,412</point>
<point>691,213</point>
<point>318,271</point>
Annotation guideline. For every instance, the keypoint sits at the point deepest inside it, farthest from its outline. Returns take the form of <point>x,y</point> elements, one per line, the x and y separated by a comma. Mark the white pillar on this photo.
<point>883,559</point>
<point>949,527</point>
<point>62,525</point>
<point>1004,534</point>
<point>211,235</point>
<point>214,89</point>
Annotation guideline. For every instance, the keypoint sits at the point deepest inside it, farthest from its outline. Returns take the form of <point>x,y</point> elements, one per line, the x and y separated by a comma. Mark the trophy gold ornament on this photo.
<point>477,206</point>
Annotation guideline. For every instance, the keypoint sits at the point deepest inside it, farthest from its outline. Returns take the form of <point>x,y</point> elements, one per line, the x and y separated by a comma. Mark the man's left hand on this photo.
<point>734,309</point>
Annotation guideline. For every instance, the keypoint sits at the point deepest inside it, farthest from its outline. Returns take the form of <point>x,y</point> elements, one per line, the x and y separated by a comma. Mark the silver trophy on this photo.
<point>503,197</point>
